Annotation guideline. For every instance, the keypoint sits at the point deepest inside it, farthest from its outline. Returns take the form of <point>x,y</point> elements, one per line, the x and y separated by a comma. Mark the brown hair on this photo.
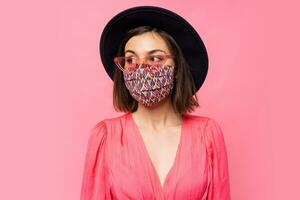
<point>182,97</point>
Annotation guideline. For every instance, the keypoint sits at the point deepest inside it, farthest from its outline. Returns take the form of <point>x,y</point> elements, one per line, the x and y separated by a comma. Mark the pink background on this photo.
<point>54,89</point>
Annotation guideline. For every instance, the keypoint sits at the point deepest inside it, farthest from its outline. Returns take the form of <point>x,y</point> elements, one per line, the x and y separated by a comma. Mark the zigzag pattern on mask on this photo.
<point>149,87</point>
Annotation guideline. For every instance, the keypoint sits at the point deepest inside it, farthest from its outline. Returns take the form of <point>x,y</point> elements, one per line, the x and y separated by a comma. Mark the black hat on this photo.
<point>185,35</point>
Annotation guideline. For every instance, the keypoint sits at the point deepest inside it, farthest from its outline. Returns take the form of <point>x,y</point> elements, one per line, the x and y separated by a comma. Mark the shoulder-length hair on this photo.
<point>183,95</point>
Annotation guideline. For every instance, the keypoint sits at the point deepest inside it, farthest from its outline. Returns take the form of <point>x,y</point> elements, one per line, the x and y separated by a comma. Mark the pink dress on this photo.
<point>118,166</point>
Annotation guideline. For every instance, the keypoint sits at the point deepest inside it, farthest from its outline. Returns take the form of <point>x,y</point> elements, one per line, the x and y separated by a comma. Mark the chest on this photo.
<point>150,165</point>
<point>161,148</point>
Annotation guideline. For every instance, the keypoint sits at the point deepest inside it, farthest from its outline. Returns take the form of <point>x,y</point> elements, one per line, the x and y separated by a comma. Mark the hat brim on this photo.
<point>192,46</point>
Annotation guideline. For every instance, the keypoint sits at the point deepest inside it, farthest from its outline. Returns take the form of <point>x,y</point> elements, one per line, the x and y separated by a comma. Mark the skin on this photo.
<point>158,125</point>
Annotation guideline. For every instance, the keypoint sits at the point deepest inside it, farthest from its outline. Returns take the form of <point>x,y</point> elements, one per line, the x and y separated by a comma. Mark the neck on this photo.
<point>158,116</point>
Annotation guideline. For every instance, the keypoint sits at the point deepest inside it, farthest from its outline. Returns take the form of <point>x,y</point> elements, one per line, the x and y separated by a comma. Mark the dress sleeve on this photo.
<point>94,184</point>
<point>219,188</point>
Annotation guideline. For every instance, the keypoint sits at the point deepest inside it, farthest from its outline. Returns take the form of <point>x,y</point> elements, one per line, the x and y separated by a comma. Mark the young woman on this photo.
<point>156,150</point>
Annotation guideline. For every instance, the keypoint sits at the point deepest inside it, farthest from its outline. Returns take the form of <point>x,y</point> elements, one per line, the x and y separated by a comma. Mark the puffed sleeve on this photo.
<point>219,188</point>
<point>94,182</point>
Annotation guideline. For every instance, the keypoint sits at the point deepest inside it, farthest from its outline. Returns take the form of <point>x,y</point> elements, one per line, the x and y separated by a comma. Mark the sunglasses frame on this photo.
<point>167,56</point>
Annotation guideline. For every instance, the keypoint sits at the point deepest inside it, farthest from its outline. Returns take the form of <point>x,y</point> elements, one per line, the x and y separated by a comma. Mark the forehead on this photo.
<point>146,42</point>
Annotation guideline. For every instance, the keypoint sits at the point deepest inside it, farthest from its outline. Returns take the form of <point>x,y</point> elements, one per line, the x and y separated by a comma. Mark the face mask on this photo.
<point>150,86</point>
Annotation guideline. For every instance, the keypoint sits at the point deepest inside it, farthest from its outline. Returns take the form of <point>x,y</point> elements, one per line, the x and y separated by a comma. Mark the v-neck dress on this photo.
<point>118,166</point>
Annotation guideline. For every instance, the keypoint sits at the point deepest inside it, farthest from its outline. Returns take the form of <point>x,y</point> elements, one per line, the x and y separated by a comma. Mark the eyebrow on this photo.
<point>149,52</point>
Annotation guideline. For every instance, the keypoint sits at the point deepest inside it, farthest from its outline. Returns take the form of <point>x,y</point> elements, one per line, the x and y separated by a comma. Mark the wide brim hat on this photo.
<point>191,44</point>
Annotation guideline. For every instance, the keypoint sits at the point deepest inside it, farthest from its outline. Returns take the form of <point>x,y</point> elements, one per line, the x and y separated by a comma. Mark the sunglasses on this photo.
<point>131,63</point>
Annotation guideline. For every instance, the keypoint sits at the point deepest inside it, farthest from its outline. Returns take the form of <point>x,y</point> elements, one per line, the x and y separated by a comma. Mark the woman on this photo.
<point>156,150</point>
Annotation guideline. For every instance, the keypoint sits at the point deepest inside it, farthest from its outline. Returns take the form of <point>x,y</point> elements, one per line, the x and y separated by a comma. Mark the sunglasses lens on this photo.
<point>125,63</point>
<point>132,63</point>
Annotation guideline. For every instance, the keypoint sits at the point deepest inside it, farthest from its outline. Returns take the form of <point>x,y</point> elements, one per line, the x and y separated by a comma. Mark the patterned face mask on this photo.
<point>149,86</point>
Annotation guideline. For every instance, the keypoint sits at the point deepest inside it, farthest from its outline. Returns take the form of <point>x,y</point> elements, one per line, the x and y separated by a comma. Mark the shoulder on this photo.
<point>198,118</point>
<point>209,126</point>
<point>106,123</point>
<point>202,120</point>
<point>97,134</point>
<point>114,119</point>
